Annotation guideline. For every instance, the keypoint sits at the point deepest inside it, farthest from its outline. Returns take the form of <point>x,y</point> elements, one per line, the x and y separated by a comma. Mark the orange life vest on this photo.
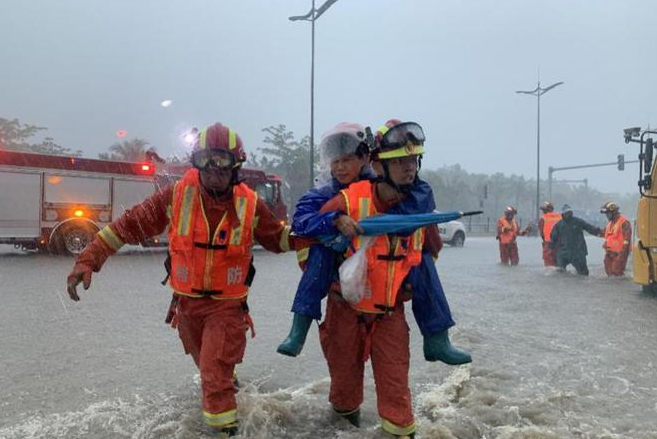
<point>205,264</point>
<point>389,258</point>
<point>510,235</point>
<point>549,221</point>
<point>614,239</point>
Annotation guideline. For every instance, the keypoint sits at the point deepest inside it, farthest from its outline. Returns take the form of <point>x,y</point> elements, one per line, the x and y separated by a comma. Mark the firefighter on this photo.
<point>545,226</point>
<point>375,326</point>
<point>618,237</point>
<point>567,239</point>
<point>507,232</point>
<point>345,151</point>
<point>213,221</point>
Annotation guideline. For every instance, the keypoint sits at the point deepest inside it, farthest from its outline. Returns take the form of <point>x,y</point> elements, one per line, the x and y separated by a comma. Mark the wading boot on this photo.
<point>222,432</point>
<point>294,342</point>
<point>353,416</point>
<point>438,348</point>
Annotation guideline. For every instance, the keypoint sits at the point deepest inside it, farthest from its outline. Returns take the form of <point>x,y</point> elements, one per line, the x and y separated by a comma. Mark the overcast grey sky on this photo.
<point>87,68</point>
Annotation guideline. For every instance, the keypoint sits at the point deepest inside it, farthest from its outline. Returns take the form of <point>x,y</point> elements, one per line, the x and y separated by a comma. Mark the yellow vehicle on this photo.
<point>645,248</point>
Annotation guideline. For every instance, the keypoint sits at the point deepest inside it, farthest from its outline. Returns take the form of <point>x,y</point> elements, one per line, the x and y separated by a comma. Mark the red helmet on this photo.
<point>219,137</point>
<point>398,139</point>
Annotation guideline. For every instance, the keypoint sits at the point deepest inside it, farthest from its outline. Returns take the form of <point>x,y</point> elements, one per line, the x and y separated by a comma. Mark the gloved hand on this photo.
<point>80,273</point>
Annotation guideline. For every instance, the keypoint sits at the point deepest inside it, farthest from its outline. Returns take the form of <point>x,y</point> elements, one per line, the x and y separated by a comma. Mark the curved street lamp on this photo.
<point>311,16</point>
<point>538,92</point>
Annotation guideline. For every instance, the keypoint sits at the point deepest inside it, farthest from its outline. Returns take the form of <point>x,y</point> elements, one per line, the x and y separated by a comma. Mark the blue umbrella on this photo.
<point>394,223</point>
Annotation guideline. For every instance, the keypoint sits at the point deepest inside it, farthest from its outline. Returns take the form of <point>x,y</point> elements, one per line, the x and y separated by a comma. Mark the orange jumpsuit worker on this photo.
<point>213,221</point>
<point>375,327</point>
<point>507,231</point>
<point>618,238</point>
<point>545,226</point>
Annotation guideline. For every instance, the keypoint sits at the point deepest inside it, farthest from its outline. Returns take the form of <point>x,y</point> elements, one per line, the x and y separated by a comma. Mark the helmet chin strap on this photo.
<point>217,194</point>
<point>401,188</point>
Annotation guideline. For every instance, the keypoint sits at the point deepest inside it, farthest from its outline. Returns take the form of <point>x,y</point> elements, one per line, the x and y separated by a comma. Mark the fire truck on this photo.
<point>58,203</point>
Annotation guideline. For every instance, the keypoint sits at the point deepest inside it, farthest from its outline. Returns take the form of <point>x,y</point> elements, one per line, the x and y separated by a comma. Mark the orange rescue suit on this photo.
<point>389,258</point>
<point>507,230</point>
<point>210,263</point>
<point>549,221</point>
<point>614,238</point>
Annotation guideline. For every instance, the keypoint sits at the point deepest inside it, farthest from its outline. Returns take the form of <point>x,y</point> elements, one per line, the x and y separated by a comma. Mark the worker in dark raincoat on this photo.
<point>567,237</point>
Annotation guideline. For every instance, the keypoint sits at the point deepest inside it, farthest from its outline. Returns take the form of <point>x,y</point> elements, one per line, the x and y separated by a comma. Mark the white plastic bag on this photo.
<point>353,273</point>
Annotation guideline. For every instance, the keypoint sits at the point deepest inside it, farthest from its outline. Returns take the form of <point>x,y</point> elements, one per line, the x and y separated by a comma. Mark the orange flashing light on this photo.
<point>79,213</point>
<point>147,168</point>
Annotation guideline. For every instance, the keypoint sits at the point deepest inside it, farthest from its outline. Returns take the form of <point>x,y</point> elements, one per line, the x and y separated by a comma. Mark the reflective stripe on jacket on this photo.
<point>549,220</point>
<point>389,257</point>
<point>205,264</point>
<point>510,234</point>
<point>614,239</point>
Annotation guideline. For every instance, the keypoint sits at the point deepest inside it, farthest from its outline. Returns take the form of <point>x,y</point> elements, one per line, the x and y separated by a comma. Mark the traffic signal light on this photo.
<point>621,162</point>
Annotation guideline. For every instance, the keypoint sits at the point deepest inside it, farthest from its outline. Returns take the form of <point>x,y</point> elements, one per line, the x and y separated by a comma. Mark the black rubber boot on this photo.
<point>353,416</point>
<point>438,348</point>
<point>297,337</point>
<point>222,432</point>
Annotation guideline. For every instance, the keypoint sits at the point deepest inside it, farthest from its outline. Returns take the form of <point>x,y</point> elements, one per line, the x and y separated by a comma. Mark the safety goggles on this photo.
<point>213,158</point>
<point>400,135</point>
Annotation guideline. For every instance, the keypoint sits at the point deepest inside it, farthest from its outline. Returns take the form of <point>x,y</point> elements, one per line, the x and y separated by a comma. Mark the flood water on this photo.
<point>555,355</point>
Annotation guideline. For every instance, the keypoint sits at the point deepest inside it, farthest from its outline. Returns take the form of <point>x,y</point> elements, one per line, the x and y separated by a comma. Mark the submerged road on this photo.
<point>555,355</point>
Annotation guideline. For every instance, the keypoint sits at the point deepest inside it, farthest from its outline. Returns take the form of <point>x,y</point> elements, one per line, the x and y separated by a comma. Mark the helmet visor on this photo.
<point>213,158</point>
<point>340,145</point>
<point>401,134</point>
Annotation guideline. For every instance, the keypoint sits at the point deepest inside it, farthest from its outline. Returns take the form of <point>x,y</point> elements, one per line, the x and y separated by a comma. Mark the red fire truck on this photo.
<point>58,204</point>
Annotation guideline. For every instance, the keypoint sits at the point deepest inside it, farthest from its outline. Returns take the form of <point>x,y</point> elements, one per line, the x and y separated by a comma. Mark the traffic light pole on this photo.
<point>551,170</point>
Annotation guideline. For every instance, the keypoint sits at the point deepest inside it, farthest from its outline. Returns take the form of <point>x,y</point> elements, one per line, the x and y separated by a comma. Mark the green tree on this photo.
<point>16,136</point>
<point>135,150</point>
<point>286,156</point>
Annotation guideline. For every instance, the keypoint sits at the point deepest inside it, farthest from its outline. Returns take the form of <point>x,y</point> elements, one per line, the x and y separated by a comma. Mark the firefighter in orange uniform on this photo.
<point>618,238</point>
<point>545,226</point>
<point>213,221</point>
<point>375,327</point>
<point>507,231</point>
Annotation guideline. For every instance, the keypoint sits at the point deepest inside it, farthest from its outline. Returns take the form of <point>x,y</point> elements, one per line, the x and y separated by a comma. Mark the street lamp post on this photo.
<point>538,92</point>
<point>311,16</point>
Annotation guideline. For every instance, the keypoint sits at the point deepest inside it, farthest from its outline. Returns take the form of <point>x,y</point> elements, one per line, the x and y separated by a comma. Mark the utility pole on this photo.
<point>538,92</point>
<point>312,16</point>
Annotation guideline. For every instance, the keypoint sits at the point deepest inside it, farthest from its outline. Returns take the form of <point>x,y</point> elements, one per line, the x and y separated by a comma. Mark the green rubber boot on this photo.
<point>297,337</point>
<point>438,348</point>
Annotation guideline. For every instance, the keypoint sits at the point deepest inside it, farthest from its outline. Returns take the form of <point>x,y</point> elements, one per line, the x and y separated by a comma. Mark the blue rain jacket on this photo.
<point>429,303</point>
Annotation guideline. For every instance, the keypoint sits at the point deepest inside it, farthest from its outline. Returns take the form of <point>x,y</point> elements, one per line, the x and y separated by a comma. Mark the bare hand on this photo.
<point>348,226</point>
<point>80,273</point>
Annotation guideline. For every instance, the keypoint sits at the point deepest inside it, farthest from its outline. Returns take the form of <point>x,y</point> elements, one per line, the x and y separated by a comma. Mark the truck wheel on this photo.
<point>458,240</point>
<point>72,239</point>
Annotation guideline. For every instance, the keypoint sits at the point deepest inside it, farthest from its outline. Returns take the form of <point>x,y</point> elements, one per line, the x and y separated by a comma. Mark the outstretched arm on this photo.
<point>137,224</point>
